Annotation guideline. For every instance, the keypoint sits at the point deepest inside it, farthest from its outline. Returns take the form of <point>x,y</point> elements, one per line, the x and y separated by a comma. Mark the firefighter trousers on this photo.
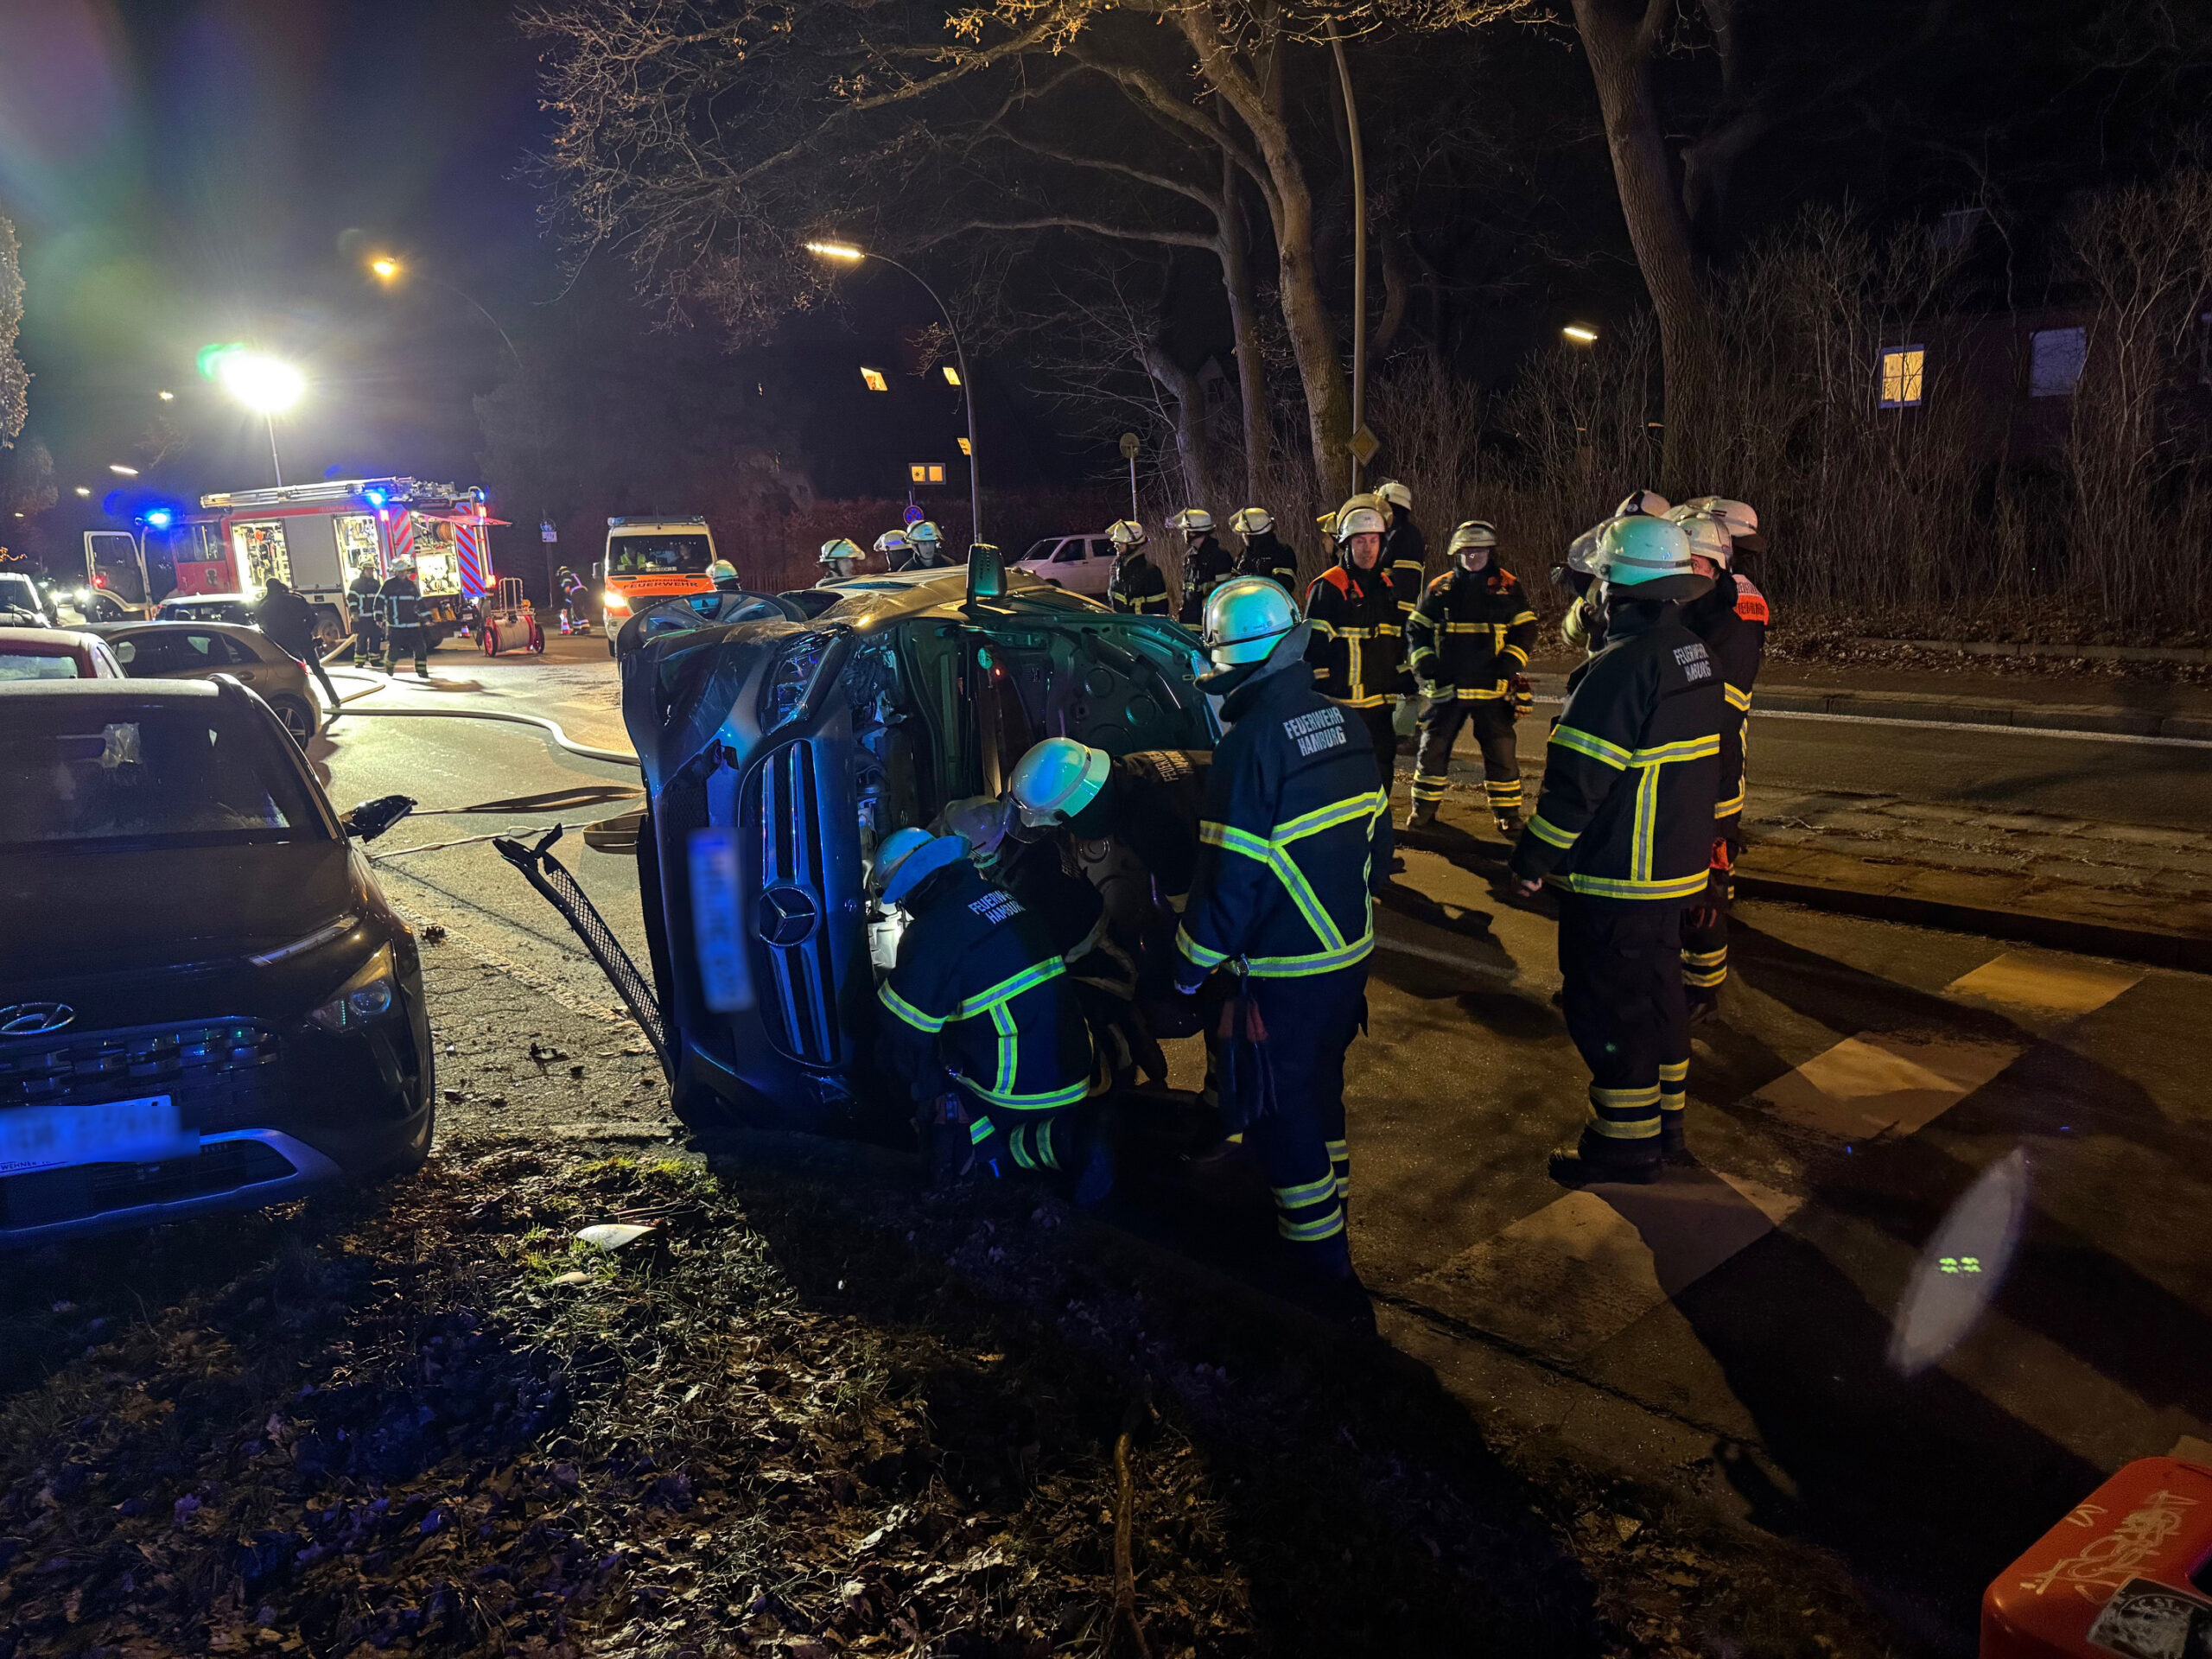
<point>1311,1021</point>
<point>1382,728</point>
<point>400,641</point>
<point>1705,924</point>
<point>1626,1012</point>
<point>1490,721</point>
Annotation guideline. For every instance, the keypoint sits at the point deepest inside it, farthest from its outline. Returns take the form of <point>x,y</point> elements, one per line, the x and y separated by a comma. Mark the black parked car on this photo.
<point>240,1014</point>
<point>779,753</point>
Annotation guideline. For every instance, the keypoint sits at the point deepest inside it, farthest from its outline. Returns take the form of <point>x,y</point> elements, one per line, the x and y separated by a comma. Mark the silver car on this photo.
<point>194,650</point>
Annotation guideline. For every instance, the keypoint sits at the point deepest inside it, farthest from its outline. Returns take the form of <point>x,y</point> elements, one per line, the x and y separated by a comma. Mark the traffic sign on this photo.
<point>1130,446</point>
<point>547,533</point>
<point>1364,446</point>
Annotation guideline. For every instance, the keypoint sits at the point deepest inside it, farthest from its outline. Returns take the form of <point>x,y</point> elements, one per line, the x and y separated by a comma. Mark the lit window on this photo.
<point>1902,371</point>
<point>964,449</point>
<point>874,379</point>
<point>2055,360</point>
<point>952,374</point>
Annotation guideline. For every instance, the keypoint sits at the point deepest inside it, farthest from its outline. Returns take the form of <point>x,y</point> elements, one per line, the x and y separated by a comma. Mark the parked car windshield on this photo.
<point>18,663</point>
<point>657,555</point>
<point>92,774</point>
<point>19,592</point>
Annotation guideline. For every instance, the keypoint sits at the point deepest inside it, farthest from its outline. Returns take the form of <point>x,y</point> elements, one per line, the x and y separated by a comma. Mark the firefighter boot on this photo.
<point>1582,1164</point>
<point>1508,824</point>
<point>1674,1144</point>
<point>1422,816</point>
<point>1332,1291</point>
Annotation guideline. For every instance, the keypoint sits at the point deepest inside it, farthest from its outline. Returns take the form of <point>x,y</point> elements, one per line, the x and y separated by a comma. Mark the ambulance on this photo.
<point>651,559</point>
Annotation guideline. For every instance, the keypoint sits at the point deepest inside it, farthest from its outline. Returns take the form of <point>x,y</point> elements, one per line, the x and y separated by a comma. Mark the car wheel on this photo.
<point>299,719</point>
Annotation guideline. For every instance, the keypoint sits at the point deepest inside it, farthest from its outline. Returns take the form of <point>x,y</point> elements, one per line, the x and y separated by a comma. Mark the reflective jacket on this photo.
<point>1630,774</point>
<point>1472,633</point>
<point>1151,805</point>
<point>979,988</point>
<point>402,603</point>
<point>1205,567</point>
<point>1136,585</point>
<point>1405,556</point>
<point>1266,555</point>
<point>1738,644</point>
<point>1357,635</point>
<point>1296,837</point>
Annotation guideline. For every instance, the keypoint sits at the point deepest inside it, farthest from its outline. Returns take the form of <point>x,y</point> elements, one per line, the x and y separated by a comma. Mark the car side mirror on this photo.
<point>985,572</point>
<point>371,818</point>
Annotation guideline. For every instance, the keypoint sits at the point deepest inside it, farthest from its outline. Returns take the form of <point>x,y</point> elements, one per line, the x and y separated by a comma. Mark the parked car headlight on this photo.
<point>785,695</point>
<point>370,993</point>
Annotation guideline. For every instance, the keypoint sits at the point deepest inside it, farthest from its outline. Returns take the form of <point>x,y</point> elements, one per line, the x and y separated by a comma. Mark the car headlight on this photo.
<point>785,695</point>
<point>617,606</point>
<point>370,993</point>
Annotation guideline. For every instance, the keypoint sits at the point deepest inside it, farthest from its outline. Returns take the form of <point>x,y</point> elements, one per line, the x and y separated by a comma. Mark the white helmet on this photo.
<point>1742,522</point>
<point>926,531</point>
<point>907,858</point>
<point>1356,518</point>
<point>1252,521</point>
<point>1648,502</point>
<point>1246,617</point>
<point>1475,532</point>
<point>1057,779</point>
<point>1126,533</point>
<point>842,547</point>
<point>1195,520</point>
<point>893,541</point>
<point>1396,494</point>
<point>1707,533</point>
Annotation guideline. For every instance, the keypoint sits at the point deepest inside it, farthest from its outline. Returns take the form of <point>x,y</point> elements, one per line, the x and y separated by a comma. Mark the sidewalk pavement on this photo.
<point>573,684</point>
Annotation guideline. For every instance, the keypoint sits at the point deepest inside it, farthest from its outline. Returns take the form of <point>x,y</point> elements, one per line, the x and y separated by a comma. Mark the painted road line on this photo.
<point>1866,1086</point>
<point>2143,738</point>
<point>2041,984</point>
<point>1465,963</point>
<point>1582,1269</point>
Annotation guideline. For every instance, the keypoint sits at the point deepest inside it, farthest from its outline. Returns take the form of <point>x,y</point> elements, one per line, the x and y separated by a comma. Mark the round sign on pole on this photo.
<point>1130,446</point>
<point>547,533</point>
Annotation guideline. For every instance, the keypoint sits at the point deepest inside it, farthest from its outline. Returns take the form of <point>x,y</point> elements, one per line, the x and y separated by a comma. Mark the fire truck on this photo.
<point>318,537</point>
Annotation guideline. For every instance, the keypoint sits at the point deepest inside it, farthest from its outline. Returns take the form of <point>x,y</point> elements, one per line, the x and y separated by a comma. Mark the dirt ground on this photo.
<point>807,1412</point>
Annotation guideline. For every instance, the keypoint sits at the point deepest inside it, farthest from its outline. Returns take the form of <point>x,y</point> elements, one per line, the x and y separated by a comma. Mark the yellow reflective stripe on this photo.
<point>1010,1046</point>
<point>1320,962</point>
<point>1308,902</point>
<point>1311,1232</point>
<point>1018,1143</point>
<point>1516,651</point>
<point>1690,748</point>
<point>906,1011</point>
<point>1729,808</point>
<point>1204,955</point>
<point>1525,616</point>
<point>1327,817</point>
<point>1674,1072</point>
<point>979,1131</point>
<point>1007,989</point>
<point>1297,1198</point>
<point>1234,840</point>
<point>1642,1129</point>
<point>1622,1099</point>
<point>1326,628</point>
<point>1490,693</point>
<point>1550,834</point>
<point>1582,742</point>
<point>1601,886</point>
<point>1737,699</point>
<point>1049,1100</point>
<point>1701,959</point>
<point>1644,831</point>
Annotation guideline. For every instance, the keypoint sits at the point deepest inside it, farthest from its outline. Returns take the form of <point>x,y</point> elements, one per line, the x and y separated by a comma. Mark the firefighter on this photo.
<point>1623,830</point>
<point>839,560</point>
<point>929,547</point>
<point>1405,550</point>
<point>897,548</point>
<point>576,601</point>
<point>1136,584</point>
<point>1743,538</point>
<point>402,602</point>
<point>1576,627</point>
<point>1296,838</point>
<point>1206,563</point>
<point>1469,637</point>
<point>1358,636</point>
<point>723,575</point>
<point>1265,553</point>
<point>981,1022</point>
<point>289,620</point>
<point>1733,626</point>
<point>361,597</point>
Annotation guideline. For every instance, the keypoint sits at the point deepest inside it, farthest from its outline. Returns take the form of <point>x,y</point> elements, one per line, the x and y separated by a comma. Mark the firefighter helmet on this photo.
<point>1737,515</point>
<point>894,540</point>
<point>1358,517</point>
<point>1707,533</point>
<point>907,857</point>
<point>1650,503</point>
<point>926,531</point>
<point>842,548</point>
<point>1648,557</point>
<point>1474,532</point>
<point>1252,521</point>
<point>1126,533</point>
<point>1396,494</point>
<point>1196,521</point>
<point>1245,618</point>
<point>1056,780</point>
<point>722,573</point>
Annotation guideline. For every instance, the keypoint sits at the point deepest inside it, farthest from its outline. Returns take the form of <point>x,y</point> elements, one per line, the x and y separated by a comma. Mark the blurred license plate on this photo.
<point>115,1132</point>
<point>713,919</point>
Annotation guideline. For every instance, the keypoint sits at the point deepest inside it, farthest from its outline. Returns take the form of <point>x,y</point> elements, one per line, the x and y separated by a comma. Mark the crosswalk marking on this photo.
<point>1585,1266</point>
<point>1866,1086</point>
<point>2027,979</point>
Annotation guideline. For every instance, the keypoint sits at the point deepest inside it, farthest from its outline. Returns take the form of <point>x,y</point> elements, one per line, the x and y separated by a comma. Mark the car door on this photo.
<point>1098,566</point>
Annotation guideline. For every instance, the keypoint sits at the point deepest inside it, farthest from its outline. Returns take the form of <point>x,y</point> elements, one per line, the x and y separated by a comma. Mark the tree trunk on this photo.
<point>1191,448</point>
<point>1619,43</point>
<point>1244,324</point>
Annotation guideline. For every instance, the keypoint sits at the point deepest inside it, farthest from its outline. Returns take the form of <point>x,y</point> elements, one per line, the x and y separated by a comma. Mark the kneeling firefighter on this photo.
<point>1295,839</point>
<point>1469,637</point>
<point>979,999</point>
<point>1623,830</point>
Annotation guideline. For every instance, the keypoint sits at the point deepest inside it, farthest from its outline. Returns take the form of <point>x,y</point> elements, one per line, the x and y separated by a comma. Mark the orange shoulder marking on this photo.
<point>1752,607</point>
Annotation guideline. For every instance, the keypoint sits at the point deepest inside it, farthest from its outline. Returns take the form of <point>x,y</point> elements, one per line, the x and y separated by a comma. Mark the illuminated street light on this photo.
<point>955,372</point>
<point>82,490</point>
<point>122,471</point>
<point>265,385</point>
<point>166,396</point>
<point>385,267</point>
<point>1579,333</point>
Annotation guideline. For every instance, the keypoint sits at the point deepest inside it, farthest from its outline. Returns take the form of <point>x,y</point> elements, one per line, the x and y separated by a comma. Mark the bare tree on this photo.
<point>15,379</point>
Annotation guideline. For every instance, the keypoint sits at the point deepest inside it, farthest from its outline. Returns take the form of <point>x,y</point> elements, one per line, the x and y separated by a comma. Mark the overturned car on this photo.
<point>780,749</point>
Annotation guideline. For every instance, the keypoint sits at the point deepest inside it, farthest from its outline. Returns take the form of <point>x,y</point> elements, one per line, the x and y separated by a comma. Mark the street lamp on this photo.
<point>845,253</point>
<point>122,471</point>
<point>388,270</point>
<point>264,384</point>
<point>1580,333</point>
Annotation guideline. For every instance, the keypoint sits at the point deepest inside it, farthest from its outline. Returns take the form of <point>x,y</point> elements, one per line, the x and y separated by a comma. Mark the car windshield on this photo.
<point>92,774</point>
<point>18,594</point>
<point>656,554</point>
<point>18,664</point>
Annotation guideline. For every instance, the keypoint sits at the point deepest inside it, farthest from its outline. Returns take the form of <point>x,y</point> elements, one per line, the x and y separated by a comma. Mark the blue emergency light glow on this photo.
<point>375,498</point>
<point>160,518</point>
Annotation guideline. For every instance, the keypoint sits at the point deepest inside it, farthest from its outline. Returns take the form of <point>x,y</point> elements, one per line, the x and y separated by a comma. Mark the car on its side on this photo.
<point>198,651</point>
<point>21,604</point>
<point>249,1025</point>
<point>30,654</point>
<point>1079,563</point>
<point>780,751</point>
<point>238,609</point>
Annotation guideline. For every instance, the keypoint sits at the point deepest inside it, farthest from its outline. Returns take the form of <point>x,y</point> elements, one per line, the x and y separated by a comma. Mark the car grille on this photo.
<point>223,1075</point>
<point>799,1003</point>
<point>45,1197</point>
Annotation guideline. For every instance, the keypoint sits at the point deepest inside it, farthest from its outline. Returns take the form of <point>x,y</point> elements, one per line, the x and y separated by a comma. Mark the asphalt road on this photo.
<point>1775,1333</point>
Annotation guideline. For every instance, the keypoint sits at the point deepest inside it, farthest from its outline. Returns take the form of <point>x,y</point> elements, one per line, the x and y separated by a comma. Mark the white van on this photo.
<point>1079,563</point>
